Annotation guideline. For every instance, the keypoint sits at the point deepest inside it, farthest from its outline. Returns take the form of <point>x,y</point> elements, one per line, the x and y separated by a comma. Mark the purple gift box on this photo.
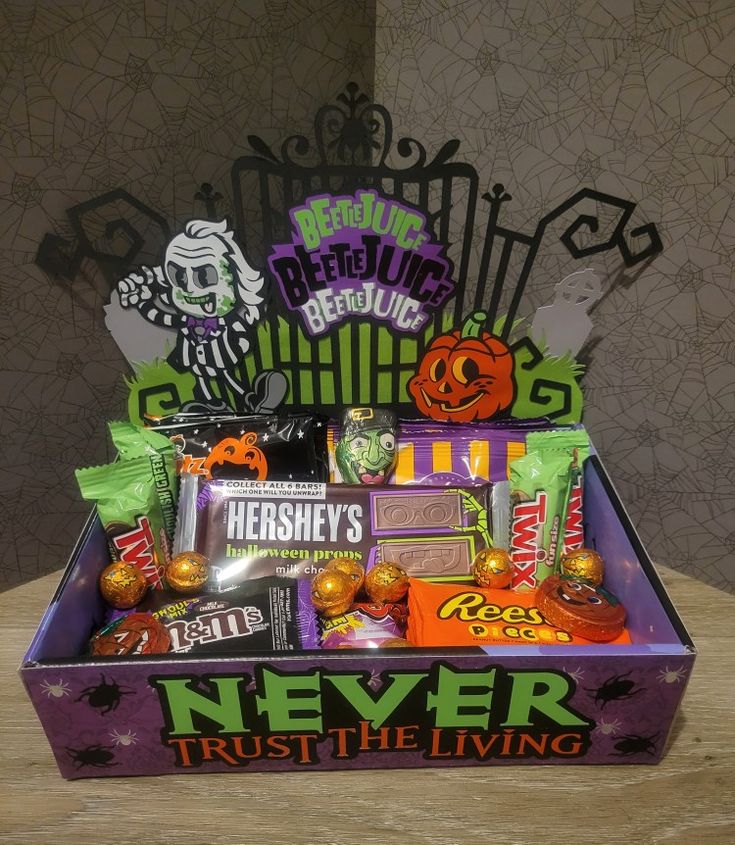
<point>396,708</point>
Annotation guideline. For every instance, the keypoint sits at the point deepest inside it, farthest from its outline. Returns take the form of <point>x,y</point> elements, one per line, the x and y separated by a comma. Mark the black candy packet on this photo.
<point>266,614</point>
<point>258,447</point>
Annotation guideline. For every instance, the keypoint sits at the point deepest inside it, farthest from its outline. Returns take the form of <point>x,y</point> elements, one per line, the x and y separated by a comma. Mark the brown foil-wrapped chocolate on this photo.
<point>332,592</point>
<point>386,582</point>
<point>187,573</point>
<point>581,608</point>
<point>122,585</point>
<point>492,568</point>
<point>355,570</point>
<point>584,563</point>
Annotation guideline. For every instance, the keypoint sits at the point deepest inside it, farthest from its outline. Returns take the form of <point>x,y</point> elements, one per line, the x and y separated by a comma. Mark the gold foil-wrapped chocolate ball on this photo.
<point>585,564</point>
<point>386,582</point>
<point>332,592</point>
<point>355,570</point>
<point>187,573</point>
<point>395,642</point>
<point>492,568</point>
<point>122,585</point>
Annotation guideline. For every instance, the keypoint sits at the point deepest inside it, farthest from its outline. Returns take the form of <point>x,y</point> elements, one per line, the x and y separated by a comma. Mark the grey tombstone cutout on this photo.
<point>564,326</point>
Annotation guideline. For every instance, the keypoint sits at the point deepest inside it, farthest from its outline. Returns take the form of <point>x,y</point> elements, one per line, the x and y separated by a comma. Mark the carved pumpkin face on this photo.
<point>242,452</point>
<point>136,633</point>
<point>461,379</point>
<point>588,602</point>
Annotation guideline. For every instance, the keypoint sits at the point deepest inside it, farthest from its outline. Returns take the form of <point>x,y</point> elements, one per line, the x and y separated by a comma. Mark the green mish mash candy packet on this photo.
<point>575,443</point>
<point>539,490</point>
<point>130,511</point>
<point>132,441</point>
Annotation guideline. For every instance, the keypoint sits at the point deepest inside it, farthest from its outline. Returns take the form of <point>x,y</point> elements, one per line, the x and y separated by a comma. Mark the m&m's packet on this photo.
<point>266,614</point>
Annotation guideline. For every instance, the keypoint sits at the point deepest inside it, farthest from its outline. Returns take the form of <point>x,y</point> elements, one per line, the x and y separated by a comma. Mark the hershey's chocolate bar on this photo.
<point>253,529</point>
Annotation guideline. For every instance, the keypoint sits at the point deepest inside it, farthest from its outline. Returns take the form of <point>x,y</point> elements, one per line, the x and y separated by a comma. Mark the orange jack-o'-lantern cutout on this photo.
<point>465,375</point>
<point>241,451</point>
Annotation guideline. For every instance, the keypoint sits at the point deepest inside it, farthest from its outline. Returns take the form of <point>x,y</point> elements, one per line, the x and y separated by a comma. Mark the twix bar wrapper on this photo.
<point>539,492</point>
<point>576,444</point>
<point>133,441</point>
<point>130,511</point>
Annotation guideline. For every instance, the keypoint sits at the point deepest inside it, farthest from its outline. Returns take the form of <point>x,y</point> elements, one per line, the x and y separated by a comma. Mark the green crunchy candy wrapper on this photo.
<point>575,443</point>
<point>129,509</point>
<point>539,491</point>
<point>133,441</point>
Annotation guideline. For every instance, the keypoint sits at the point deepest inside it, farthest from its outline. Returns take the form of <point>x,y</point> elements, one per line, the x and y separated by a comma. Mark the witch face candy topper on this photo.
<point>366,451</point>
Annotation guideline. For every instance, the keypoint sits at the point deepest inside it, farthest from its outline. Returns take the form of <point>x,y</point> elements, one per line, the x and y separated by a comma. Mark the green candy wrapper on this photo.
<point>539,491</point>
<point>132,441</point>
<point>575,443</point>
<point>130,511</point>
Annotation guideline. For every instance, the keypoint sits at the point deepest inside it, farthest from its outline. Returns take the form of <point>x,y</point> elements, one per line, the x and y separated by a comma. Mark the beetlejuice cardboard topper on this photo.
<point>350,273</point>
<point>361,255</point>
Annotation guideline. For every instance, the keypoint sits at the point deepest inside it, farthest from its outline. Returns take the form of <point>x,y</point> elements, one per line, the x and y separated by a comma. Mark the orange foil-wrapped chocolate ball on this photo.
<point>187,573</point>
<point>386,582</point>
<point>492,568</point>
<point>584,563</point>
<point>355,570</point>
<point>122,585</point>
<point>332,592</point>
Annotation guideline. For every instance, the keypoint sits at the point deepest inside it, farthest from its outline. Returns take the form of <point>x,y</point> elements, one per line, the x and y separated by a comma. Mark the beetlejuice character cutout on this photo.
<point>366,450</point>
<point>464,375</point>
<point>208,293</point>
<point>563,326</point>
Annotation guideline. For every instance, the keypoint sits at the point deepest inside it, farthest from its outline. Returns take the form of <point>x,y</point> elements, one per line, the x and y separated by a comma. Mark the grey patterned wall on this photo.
<point>155,97</point>
<point>636,99</point>
<point>546,97</point>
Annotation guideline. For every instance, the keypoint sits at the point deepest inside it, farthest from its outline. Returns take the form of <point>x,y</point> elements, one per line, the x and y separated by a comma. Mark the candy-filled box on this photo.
<point>394,708</point>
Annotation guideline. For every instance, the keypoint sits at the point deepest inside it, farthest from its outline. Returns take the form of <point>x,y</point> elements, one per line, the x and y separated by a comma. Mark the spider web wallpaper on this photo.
<point>637,100</point>
<point>545,97</point>
<point>156,98</point>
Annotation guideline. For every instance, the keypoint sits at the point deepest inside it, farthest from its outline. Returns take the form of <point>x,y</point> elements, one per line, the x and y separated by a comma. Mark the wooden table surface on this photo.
<point>689,798</point>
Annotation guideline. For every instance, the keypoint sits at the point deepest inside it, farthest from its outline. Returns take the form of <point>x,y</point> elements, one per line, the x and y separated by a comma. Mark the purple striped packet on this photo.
<point>443,454</point>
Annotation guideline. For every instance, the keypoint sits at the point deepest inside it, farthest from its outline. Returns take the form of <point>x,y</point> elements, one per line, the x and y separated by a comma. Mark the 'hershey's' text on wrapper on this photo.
<point>293,521</point>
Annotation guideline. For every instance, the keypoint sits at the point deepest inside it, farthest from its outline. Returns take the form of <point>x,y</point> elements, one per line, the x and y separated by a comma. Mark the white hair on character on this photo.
<point>248,281</point>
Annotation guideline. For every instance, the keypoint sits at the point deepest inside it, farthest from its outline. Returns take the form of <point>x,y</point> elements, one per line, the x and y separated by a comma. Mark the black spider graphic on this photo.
<point>98,756</point>
<point>634,744</point>
<point>614,689</point>
<point>105,695</point>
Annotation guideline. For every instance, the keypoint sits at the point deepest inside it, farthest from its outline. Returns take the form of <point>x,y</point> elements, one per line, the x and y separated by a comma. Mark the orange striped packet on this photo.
<point>464,614</point>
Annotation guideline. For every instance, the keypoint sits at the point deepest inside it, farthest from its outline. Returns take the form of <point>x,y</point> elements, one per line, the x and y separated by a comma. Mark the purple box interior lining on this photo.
<point>77,609</point>
<point>612,535</point>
